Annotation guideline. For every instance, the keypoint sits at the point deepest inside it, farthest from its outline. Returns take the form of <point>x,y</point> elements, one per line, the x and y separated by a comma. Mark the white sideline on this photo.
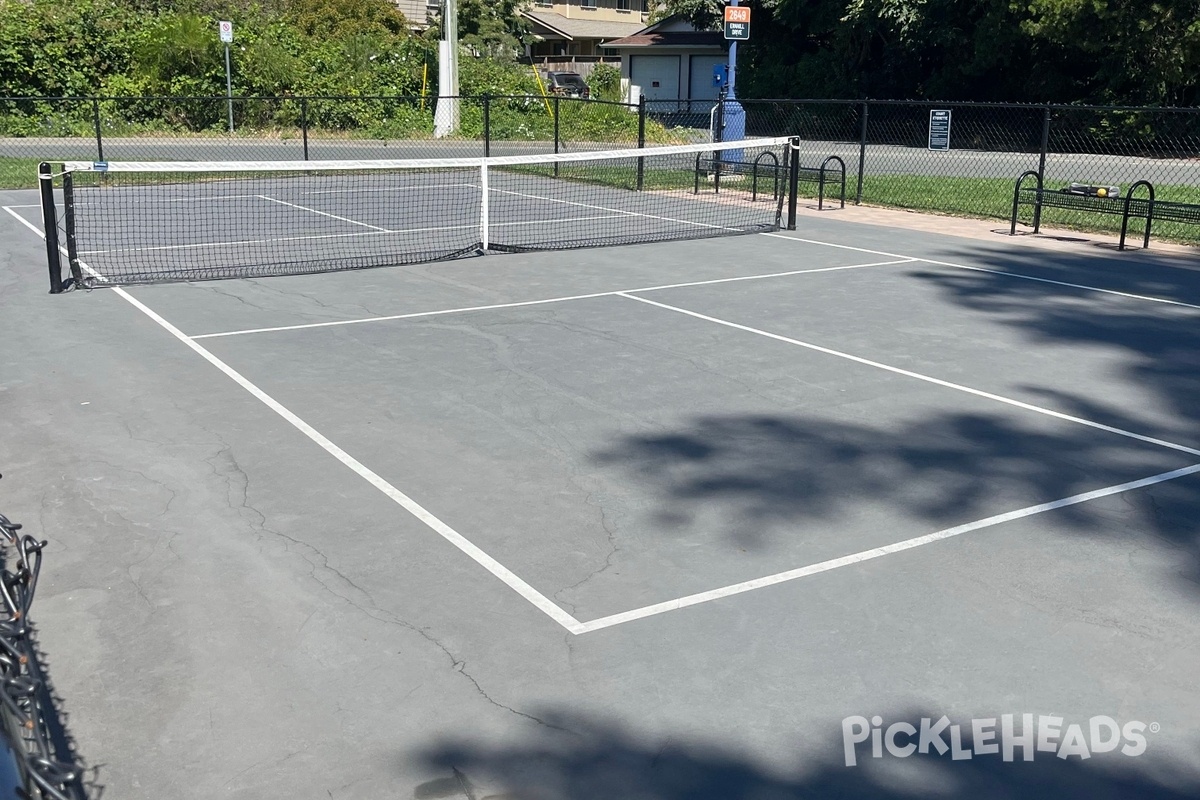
<point>877,552</point>
<point>1098,290</point>
<point>569,622</point>
<point>507,576</point>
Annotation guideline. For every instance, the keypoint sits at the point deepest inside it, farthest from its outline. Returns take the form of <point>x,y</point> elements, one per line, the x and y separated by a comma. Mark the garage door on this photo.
<point>657,75</point>
<point>700,82</point>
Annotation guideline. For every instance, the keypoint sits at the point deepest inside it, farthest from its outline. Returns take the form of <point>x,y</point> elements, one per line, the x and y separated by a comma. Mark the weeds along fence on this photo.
<point>885,144</point>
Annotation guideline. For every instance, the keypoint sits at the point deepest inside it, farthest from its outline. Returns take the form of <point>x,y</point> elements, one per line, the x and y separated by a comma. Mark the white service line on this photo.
<point>322,213</point>
<point>919,376</point>
<point>877,552</point>
<point>1021,276</point>
<point>520,304</point>
<point>507,576</point>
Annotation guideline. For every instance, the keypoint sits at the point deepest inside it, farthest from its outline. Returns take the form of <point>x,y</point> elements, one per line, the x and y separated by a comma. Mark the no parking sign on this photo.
<point>226,29</point>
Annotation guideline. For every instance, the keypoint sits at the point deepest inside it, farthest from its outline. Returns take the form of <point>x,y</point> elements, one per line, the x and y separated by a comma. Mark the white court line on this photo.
<point>322,213</point>
<point>380,232</point>
<point>919,376</point>
<point>619,211</point>
<point>1084,286</point>
<point>539,600</point>
<point>522,303</point>
<point>877,552</point>
<point>507,576</point>
<point>24,221</point>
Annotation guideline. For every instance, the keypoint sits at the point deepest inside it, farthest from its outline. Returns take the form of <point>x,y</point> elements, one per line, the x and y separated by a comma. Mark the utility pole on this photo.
<point>445,121</point>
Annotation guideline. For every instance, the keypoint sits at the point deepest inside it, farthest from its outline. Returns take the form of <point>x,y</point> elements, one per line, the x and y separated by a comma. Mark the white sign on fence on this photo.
<point>226,29</point>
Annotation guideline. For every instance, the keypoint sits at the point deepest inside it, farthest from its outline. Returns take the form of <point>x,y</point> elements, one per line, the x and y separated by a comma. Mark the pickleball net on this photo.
<point>152,222</point>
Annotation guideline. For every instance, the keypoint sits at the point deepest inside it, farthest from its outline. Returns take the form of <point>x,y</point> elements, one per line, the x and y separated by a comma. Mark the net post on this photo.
<point>557,106</point>
<point>50,225</point>
<point>862,151</point>
<point>304,124</point>
<point>96,127</point>
<point>641,162</point>
<point>793,181</point>
<point>484,222</point>
<point>487,126</point>
<point>68,184</point>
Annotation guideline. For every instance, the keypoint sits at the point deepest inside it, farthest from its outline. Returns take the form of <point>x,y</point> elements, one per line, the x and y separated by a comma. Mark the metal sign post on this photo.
<point>733,116</point>
<point>226,29</point>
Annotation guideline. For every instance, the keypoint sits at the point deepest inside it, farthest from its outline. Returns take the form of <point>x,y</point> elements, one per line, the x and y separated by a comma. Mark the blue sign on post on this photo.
<point>939,130</point>
<point>720,75</point>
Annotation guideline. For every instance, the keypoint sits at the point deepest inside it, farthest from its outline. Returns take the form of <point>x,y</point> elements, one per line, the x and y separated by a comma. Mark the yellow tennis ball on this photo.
<point>1102,192</point>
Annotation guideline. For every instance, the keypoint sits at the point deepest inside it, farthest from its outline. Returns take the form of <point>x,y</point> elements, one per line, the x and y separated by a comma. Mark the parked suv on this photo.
<point>567,84</point>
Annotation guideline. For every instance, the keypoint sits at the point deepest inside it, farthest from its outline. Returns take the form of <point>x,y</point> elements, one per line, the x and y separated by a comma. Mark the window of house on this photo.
<point>624,5</point>
<point>587,3</point>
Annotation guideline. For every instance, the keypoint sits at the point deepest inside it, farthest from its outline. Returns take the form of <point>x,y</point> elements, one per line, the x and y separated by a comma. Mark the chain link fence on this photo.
<point>303,128</point>
<point>884,144</point>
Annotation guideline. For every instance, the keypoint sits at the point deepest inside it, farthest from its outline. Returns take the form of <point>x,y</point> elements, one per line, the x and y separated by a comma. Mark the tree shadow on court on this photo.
<point>755,475</point>
<point>763,479</point>
<point>1157,345</point>
<point>603,761</point>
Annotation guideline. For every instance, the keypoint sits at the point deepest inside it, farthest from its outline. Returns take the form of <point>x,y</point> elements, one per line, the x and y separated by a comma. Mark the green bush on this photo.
<point>605,82</point>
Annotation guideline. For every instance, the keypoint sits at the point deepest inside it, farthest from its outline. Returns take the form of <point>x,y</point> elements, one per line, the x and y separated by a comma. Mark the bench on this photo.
<point>1127,207</point>
<point>819,175</point>
<point>1171,211</point>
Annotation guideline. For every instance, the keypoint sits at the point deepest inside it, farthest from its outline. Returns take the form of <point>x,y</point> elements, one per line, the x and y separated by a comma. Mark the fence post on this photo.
<point>862,151</point>
<point>719,136</point>
<point>1045,141</point>
<point>304,125</point>
<point>487,125</point>
<point>96,125</point>
<point>557,106</point>
<point>641,162</point>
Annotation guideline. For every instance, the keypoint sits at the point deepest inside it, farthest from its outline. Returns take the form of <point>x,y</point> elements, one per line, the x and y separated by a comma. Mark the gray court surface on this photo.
<point>658,522</point>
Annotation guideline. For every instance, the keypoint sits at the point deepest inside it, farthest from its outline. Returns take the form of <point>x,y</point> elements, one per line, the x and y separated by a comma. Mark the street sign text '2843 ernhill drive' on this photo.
<point>737,22</point>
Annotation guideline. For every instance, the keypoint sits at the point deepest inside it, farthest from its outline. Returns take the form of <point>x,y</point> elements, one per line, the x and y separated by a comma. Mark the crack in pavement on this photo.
<point>318,561</point>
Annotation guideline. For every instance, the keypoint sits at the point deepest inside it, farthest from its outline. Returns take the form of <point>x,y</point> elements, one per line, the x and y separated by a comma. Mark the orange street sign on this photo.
<point>737,14</point>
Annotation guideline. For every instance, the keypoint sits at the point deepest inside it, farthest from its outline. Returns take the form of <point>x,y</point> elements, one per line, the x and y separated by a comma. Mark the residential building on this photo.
<point>576,29</point>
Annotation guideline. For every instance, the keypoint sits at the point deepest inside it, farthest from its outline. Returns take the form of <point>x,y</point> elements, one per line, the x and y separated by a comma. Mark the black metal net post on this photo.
<point>50,226</point>
<point>793,182</point>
